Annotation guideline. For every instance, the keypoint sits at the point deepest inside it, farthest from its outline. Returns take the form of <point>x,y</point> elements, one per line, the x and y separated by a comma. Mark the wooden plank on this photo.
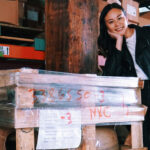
<point>32,78</point>
<point>111,114</point>
<point>23,98</point>
<point>129,82</point>
<point>77,95</point>
<point>89,138</point>
<point>26,134</point>
<point>25,118</point>
<point>8,80</point>
<point>17,39</point>
<point>20,27</point>
<point>137,135</point>
<point>25,139</point>
<point>10,77</point>
<point>25,70</point>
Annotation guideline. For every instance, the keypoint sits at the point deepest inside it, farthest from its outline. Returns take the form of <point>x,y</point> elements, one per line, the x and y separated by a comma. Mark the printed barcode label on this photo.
<point>4,50</point>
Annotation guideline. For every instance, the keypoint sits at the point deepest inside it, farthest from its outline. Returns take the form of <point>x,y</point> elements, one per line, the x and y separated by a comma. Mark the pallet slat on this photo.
<point>23,78</point>
<point>24,118</point>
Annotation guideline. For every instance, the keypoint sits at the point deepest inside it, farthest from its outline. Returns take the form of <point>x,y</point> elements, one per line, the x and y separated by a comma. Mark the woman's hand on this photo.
<point>119,39</point>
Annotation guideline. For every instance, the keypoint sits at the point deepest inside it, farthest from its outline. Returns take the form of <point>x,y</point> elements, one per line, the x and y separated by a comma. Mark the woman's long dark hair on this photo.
<point>105,42</point>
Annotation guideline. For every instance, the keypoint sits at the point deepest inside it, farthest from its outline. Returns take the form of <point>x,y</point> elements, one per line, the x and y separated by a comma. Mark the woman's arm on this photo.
<point>113,65</point>
<point>119,40</point>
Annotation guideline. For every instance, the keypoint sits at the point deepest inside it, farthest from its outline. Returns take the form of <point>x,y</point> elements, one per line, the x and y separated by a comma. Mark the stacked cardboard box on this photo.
<point>22,13</point>
<point>9,11</point>
<point>132,9</point>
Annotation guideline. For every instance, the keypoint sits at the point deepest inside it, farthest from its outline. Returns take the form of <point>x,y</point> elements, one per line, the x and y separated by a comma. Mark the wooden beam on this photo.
<point>137,135</point>
<point>25,139</point>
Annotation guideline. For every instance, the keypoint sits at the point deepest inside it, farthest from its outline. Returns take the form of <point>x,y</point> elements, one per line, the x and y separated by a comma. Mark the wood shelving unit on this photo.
<point>17,45</point>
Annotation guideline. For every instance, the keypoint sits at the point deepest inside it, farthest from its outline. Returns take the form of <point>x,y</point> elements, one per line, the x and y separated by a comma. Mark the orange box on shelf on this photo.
<point>21,52</point>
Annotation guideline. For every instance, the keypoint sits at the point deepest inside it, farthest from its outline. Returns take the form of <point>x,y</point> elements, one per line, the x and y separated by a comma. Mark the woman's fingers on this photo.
<point>114,35</point>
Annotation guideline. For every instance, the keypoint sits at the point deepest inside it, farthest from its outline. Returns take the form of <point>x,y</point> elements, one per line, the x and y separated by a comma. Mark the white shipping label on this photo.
<point>59,129</point>
<point>4,50</point>
<point>131,10</point>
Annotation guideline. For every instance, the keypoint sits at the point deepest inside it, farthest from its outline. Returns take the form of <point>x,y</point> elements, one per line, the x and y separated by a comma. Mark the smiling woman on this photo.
<point>116,21</point>
<point>117,26</point>
<point>127,52</point>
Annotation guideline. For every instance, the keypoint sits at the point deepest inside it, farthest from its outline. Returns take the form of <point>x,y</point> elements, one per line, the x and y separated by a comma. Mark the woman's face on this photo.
<point>116,21</point>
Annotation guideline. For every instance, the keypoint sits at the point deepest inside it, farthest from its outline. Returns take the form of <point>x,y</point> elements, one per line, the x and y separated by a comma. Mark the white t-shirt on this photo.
<point>131,43</point>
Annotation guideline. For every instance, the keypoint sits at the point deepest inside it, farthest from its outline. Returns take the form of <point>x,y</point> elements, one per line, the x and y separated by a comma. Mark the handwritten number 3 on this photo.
<point>69,118</point>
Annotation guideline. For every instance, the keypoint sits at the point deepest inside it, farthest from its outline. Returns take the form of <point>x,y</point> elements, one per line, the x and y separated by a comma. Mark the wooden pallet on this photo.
<point>94,96</point>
